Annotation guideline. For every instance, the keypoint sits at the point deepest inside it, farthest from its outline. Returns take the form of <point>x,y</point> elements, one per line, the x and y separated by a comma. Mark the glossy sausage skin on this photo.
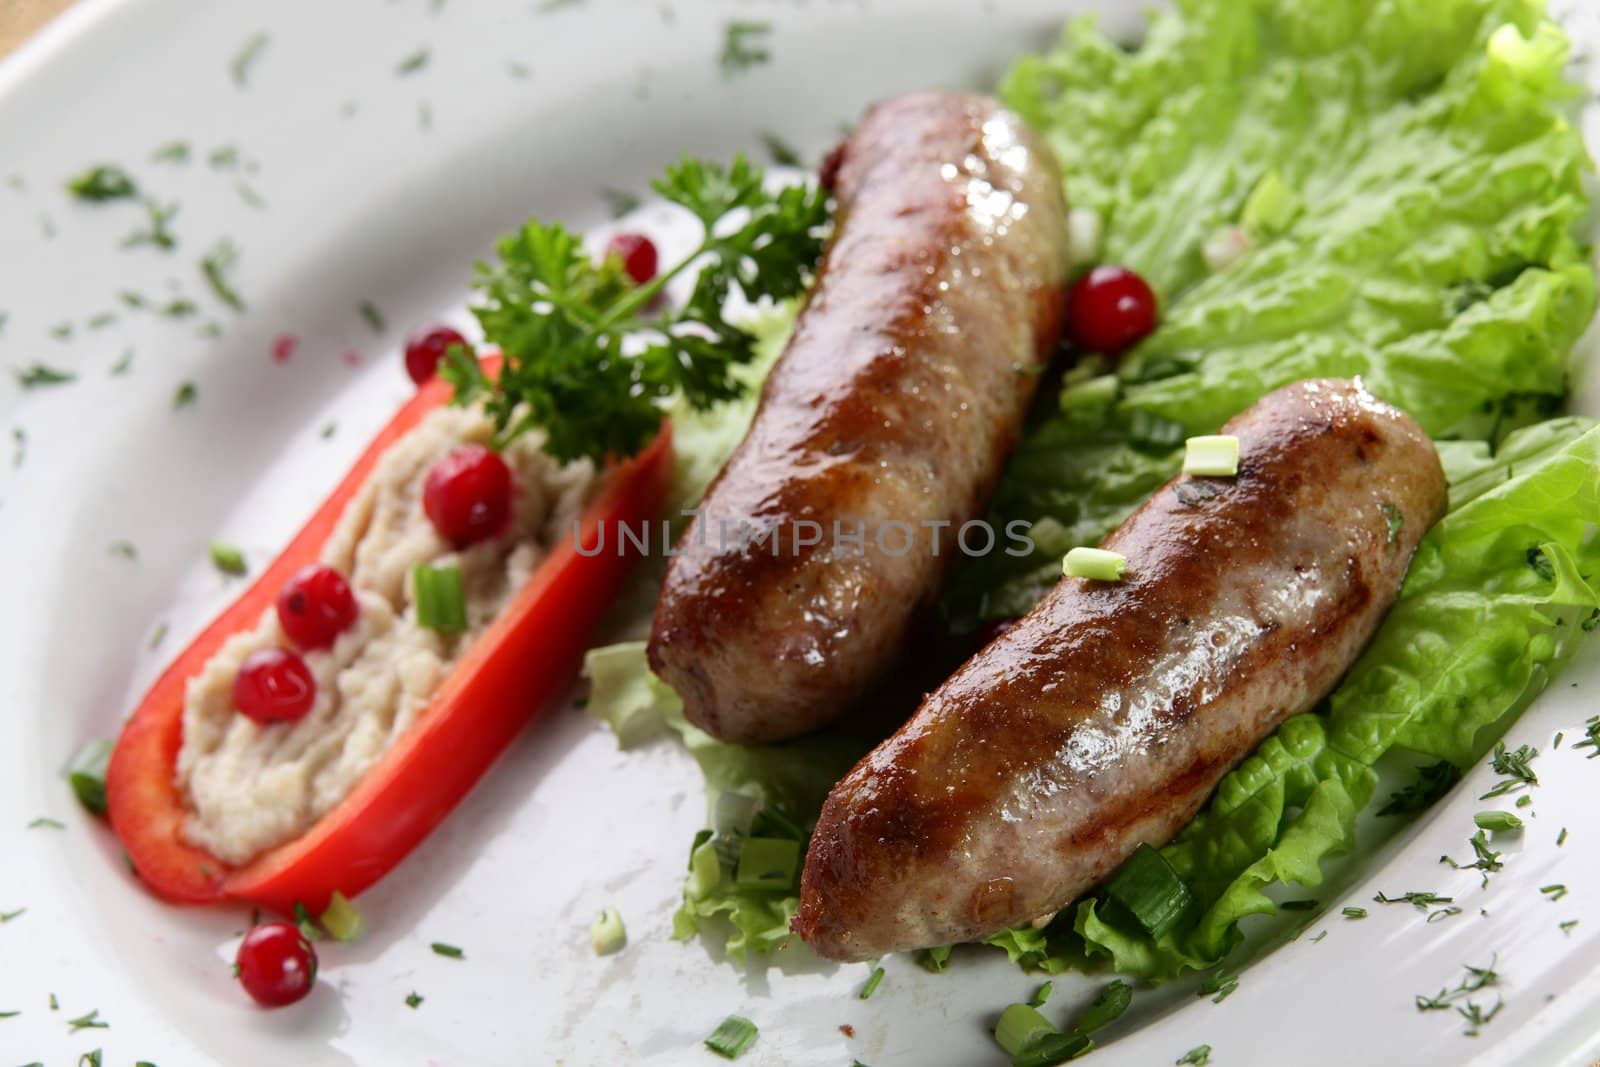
<point>899,398</point>
<point>1105,717</point>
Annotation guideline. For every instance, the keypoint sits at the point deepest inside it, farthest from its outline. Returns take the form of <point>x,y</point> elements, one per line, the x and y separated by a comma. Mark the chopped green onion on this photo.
<point>440,603</point>
<point>934,960</point>
<point>732,1036</point>
<point>451,951</point>
<point>342,920</point>
<point>606,933</point>
<point>1149,890</point>
<point>1213,455</point>
<point>1524,800</point>
<point>873,980</point>
<point>1041,994</point>
<point>87,774</point>
<point>1106,1009</point>
<point>1354,913</point>
<point>1498,821</point>
<point>768,863</point>
<point>705,870</point>
<point>228,559</point>
<point>1094,563</point>
<point>1021,1028</point>
<point>413,999</point>
<point>1054,1049</point>
<point>1198,1056</point>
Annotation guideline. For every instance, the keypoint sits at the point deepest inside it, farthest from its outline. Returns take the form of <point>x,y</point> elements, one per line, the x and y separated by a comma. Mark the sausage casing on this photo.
<point>883,427</point>
<point>1105,717</point>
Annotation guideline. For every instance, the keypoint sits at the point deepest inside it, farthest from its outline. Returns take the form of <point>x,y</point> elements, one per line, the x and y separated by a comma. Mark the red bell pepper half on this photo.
<point>508,674</point>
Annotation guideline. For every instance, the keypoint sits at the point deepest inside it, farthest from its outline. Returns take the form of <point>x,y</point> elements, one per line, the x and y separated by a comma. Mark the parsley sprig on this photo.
<point>587,359</point>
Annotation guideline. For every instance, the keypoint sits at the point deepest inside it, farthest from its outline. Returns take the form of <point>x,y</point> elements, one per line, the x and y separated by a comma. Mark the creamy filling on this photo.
<point>250,787</point>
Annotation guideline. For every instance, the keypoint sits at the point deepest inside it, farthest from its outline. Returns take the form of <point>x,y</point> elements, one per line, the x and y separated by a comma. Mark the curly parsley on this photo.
<point>586,358</point>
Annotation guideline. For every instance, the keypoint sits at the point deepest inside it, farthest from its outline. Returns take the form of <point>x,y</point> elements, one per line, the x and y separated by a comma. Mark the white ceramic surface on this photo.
<point>364,183</point>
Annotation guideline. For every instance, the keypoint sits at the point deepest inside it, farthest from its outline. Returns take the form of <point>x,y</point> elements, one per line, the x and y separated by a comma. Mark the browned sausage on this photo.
<point>1105,717</point>
<point>899,398</point>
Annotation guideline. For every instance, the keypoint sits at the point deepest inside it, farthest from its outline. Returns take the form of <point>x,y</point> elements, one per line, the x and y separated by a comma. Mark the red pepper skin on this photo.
<point>516,667</point>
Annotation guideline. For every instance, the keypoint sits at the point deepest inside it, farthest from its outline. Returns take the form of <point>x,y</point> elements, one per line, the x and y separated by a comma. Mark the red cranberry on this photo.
<point>424,352</point>
<point>467,495</point>
<point>1110,310</point>
<point>638,255</point>
<point>276,964</point>
<point>274,685</point>
<point>316,606</point>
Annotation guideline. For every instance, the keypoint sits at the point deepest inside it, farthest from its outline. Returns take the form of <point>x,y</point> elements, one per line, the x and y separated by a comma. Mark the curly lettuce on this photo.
<point>1401,185</point>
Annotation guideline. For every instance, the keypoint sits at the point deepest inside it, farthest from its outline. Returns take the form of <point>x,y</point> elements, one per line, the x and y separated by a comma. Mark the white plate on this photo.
<point>381,186</point>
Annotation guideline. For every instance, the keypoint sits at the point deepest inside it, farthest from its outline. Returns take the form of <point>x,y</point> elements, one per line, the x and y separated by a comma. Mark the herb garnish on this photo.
<point>619,202</point>
<point>19,446</point>
<point>744,46</point>
<point>125,549</point>
<point>1198,1056</point>
<point>414,62</point>
<point>46,823</point>
<point>1561,838</point>
<point>1220,983</point>
<point>7,916</point>
<point>1567,926</point>
<point>173,152</point>
<point>872,982</point>
<point>413,999</point>
<point>38,375</point>
<point>214,268</point>
<point>568,327</point>
<point>184,395</point>
<point>244,60</point>
<point>1041,995</point>
<point>91,1021</point>
<point>157,234</point>
<point>1591,736</point>
<point>782,153</point>
<point>1477,978</point>
<point>374,317</point>
<point>934,960</point>
<point>449,951</point>
<point>1433,781</point>
<point>101,183</point>
<point>1513,765</point>
<point>123,363</point>
<point>1487,862</point>
<point>1422,901</point>
<point>228,559</point>
<point>1554,892</point>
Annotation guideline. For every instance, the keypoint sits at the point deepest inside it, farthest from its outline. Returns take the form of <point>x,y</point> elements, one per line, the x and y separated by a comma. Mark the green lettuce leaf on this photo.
<point>1408,185</point>
<point>788,782</point>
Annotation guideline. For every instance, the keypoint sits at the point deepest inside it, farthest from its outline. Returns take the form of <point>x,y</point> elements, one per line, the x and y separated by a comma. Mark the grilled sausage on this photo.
<point>894,407</point>
<point>1105,717</point>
